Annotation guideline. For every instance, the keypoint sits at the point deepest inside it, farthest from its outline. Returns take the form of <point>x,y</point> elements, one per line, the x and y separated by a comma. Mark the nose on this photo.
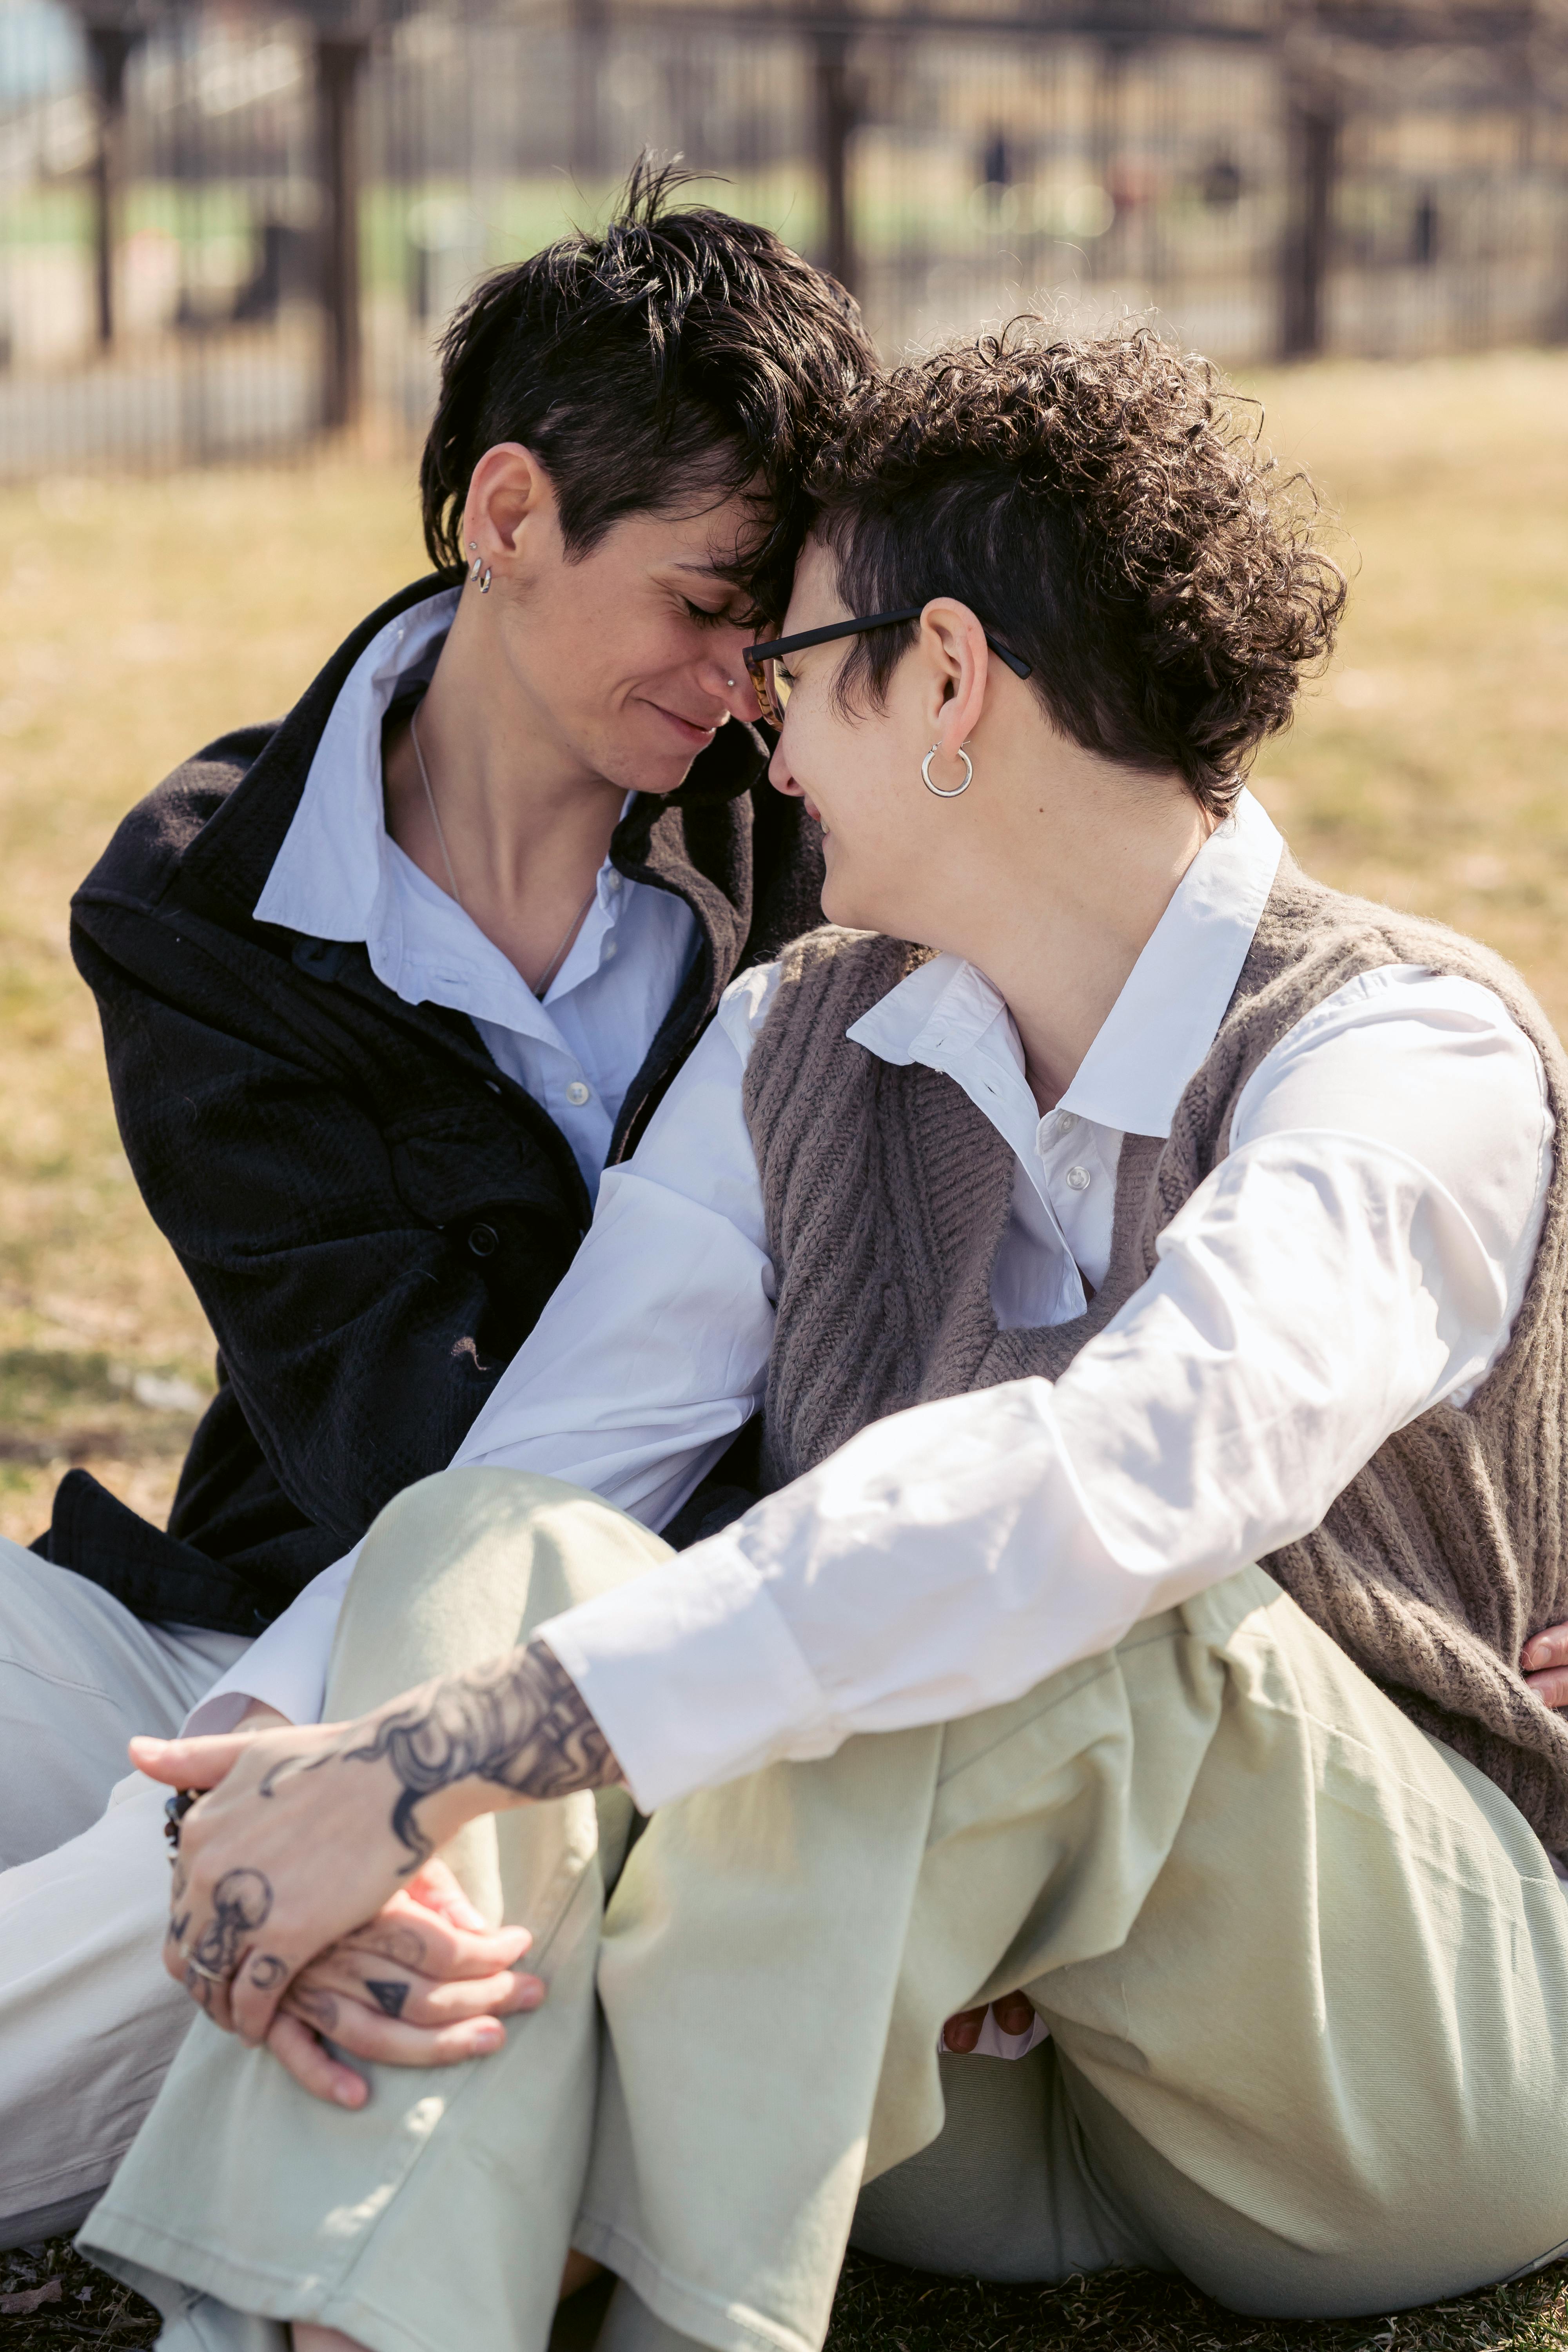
<point>725,677</point>
<point>781,775</point>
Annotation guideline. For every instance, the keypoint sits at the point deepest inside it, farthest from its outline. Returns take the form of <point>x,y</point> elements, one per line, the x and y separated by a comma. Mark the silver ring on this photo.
<point>925,774</point>
<point>210,1976</point>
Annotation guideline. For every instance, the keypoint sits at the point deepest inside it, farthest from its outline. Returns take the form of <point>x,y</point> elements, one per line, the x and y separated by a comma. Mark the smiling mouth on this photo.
<point>701,730</point>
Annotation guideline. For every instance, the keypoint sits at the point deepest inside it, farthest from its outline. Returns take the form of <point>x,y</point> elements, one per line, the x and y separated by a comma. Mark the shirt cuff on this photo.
<point>286,1667</point>
<point>692,1675</point>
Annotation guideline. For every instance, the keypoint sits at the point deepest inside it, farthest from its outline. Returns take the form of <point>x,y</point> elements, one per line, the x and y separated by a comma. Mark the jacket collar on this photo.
<point>236,850</point>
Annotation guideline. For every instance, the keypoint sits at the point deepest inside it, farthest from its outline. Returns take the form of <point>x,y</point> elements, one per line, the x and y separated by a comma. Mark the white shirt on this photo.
<point>1360,1255</point>
<point>339,876</point>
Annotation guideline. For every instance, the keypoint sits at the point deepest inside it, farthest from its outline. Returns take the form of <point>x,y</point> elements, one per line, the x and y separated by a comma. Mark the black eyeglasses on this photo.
<point>772,691</point>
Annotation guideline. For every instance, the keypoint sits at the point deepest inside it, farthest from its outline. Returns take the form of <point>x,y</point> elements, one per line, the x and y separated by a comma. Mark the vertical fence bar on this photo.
<point>340,57</point>
<point>835,126</point>
<point>108,47</point>
<point>1311,145</point>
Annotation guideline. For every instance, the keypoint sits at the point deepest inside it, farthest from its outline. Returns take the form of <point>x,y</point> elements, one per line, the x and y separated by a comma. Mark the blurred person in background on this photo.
<point>1152,1268</point>
<point>385,987</point>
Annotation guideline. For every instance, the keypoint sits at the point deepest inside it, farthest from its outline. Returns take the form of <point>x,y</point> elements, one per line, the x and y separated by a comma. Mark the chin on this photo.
<point>642,767</point>
<point>841,906</point>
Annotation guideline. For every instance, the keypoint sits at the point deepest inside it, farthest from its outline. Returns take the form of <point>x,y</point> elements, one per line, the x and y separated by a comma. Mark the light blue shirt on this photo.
<point>339,876</point>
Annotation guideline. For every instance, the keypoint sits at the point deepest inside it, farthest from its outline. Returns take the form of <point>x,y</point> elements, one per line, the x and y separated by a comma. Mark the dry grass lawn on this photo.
<point>141,618</point>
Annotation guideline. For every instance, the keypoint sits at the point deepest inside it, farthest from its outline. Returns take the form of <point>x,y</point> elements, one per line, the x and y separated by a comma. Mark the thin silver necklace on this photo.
<point>554,966</point>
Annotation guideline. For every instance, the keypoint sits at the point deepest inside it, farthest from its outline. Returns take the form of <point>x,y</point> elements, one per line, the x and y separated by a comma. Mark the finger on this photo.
<point>313,2067</point>
<point>421,2000</point>
<point>1551,1688</point>
<point>417,1940</point>
<point>255,1993</point>
<point>188,1763</point>
<point>1547,1648</point>
<point>436,1888</point>
<point>366,2034</point>
<point>961,2033</point>
<point>1014,2013</point>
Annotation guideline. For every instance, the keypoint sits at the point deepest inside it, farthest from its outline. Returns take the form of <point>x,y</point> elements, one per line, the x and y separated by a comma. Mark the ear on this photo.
<point>510,499</point>
<point>957,659</point>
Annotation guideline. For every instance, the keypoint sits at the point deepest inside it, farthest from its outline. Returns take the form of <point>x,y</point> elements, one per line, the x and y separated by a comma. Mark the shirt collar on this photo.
<point>330,877</point>
<point>1162,1025</point>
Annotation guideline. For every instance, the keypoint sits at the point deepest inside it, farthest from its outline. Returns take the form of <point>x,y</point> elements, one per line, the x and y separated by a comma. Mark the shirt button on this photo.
<point>1064,1122</point>
<point>609,950</point>
<point>578,1093</point>
<point>612,880</point>
<point>484,1241</point>
<point>1078,1180</point>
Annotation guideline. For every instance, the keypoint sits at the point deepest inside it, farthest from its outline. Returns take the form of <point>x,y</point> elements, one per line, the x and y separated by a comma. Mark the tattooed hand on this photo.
<point>306,1833</point>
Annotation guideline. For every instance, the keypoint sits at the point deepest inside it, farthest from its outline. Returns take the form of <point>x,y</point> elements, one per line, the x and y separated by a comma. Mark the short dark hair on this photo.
<point>1104,505</point>
<point>672,351</point>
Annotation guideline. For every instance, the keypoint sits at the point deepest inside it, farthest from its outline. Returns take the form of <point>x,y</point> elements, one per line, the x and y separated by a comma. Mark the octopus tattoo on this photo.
<point>242,1902</point>
<point>521,1724</point>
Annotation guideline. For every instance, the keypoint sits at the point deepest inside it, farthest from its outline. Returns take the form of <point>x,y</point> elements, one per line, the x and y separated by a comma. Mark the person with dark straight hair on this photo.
<point>384,987</point>
<point>1094,1812</point>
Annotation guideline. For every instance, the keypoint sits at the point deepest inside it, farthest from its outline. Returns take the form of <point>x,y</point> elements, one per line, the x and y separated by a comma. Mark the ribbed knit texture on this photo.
<point>887,1194</point>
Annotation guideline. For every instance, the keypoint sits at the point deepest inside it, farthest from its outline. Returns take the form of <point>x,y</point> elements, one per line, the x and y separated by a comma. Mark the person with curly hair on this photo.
<point>1151,1267</point>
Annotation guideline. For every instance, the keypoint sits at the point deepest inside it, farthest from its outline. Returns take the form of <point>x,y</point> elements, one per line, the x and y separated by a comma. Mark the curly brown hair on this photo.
<point>1104,507</point>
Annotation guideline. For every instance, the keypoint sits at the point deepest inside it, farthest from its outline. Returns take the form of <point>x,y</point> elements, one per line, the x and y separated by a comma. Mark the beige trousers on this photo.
<point>1306,1973</point>
<point>89,2019</point>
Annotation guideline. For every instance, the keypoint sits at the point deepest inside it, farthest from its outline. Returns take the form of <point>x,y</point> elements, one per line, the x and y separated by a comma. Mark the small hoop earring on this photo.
<point>485,581</point>
<point>968,773</point>
<point>474,567</point>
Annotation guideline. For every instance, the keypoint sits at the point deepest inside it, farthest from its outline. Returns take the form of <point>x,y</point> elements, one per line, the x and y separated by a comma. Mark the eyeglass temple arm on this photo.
<point>770,648</point>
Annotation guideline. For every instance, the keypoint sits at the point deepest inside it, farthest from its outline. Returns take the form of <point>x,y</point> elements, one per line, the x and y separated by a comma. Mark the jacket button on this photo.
<point>484,1241</point>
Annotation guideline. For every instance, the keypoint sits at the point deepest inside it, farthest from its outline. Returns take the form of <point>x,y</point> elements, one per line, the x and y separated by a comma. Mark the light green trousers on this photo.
<point>1305,1975</point>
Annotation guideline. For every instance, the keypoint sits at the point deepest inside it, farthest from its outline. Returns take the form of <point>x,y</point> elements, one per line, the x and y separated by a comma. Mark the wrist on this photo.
<point>507,1732</point>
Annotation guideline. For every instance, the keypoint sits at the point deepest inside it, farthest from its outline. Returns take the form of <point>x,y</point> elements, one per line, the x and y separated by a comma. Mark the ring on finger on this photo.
<point>199,1969</point>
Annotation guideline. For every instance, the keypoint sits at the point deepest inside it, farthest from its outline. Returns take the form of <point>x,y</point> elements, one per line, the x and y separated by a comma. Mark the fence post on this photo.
<point>835,114</point>
<point>1312,138</point>
<point>339,59</point>
<point>108,47</point>
<point>590,27</point>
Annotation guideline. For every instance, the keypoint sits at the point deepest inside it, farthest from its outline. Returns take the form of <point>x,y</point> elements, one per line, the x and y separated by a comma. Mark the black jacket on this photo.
<point>372,1214</point>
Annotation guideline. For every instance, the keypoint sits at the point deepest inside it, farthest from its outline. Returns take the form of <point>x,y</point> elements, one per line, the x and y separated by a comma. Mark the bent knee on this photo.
<point>466,1564</point>
<point>455,1506</point>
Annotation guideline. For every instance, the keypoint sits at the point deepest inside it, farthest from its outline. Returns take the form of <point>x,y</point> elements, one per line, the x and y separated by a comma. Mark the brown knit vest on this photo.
<point>886,1193</point>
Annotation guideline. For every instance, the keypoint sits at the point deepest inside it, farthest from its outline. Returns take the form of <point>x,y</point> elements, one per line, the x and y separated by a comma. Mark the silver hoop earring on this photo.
<point>485,581</point>
<point>475,566</point>
<point>968,773</point>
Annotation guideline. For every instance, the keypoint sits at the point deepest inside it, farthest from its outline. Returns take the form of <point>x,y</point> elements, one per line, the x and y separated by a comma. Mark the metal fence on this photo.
<point>223,232</point>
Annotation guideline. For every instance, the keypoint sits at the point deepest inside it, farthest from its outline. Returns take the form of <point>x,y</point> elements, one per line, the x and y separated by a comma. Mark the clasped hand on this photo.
<point>308,1906</point>
<point>289,1926</point>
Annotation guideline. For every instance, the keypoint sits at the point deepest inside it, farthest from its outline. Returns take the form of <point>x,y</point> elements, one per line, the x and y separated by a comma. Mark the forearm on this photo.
<point>511,1732</point>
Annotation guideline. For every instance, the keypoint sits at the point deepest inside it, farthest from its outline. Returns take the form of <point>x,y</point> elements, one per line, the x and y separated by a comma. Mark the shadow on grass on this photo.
<point>881,2308</point>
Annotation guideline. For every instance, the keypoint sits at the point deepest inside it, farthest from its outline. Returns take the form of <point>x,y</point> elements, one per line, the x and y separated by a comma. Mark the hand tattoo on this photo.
<point>242,1902</point>
<point>405,1947</point>
<point>267,1970</point>
<point>319,2009</point>
<point>521,1724</point>
<point>388,1996</point>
